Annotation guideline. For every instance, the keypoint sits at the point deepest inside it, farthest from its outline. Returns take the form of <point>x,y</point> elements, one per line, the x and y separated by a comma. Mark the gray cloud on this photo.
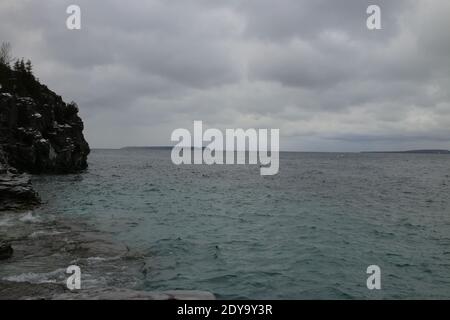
<point>140,69</point>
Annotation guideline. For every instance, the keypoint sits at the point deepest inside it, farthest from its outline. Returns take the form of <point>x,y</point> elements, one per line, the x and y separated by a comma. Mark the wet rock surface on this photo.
<point>45,245</point>
<point>16,192</point>
<point>127,294</point>
<point>51,291</point>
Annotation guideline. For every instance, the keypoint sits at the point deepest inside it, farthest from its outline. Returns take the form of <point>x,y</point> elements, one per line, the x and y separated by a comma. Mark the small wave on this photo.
<point>102,259</point>
<point>92,260</point>
<point>403,265</point>
<point>5,222</point>
<point>29,217</point>
<point>31,277</point>
<point>96,259</point>
<point>38,234</point>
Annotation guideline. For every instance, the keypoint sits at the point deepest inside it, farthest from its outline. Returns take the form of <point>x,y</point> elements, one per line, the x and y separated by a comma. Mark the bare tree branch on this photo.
<point>5,53</point>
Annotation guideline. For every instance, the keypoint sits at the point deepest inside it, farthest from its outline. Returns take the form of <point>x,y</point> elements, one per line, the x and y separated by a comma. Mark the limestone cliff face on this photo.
<point>41,138</point>
<point>39,133</point>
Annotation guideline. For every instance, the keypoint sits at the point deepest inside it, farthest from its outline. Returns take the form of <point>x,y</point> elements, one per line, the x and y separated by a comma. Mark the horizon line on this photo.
<point>425,151</point>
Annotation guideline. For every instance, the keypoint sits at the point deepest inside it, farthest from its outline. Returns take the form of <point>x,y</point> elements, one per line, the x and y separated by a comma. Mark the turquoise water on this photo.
<point>308,232</point>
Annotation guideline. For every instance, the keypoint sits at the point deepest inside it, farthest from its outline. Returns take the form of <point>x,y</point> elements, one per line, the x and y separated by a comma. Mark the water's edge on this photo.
<point>45,245</point>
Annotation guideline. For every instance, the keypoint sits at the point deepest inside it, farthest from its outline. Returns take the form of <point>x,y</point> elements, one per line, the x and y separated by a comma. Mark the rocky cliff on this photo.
<point>39,133</point>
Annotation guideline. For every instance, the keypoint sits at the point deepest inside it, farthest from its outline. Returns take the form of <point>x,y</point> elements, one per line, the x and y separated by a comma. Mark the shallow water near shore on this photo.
<point>308,232</point>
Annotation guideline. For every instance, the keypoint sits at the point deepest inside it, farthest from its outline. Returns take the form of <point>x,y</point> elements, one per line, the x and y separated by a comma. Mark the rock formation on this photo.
<point>39,133</point>
<point>16,192</point>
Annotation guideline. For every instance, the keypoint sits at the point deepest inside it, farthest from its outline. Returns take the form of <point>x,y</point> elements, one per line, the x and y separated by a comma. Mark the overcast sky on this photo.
<point>141,68</point>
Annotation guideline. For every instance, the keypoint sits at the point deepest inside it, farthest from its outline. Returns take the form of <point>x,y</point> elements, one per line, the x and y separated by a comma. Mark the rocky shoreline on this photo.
<point>40,133</point>
<point>17,192</point>
<point>46,244</point>
<point>57,292</point>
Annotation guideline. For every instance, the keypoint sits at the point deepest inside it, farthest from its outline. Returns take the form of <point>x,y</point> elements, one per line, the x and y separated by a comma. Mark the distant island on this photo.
<point>430,151</point>
<point>150,147</point>
<point>424,151</point>
<point>156,148</point>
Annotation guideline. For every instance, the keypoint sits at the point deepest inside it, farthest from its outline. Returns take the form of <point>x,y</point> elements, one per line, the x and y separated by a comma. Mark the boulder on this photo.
<point>6,250</point>
<point>16,192</point>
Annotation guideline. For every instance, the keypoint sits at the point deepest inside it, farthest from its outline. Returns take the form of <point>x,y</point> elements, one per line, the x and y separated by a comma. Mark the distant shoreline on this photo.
<point>431,151</point>
<point>420,151</point>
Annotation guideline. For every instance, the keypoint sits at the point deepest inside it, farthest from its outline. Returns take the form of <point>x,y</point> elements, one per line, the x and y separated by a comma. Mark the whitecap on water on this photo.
<point>102,259</point>
<point>29,217</point>
<point>96,259</point>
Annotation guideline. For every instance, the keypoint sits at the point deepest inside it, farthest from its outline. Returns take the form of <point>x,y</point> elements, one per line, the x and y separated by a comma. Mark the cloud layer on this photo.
<point>140,69</point>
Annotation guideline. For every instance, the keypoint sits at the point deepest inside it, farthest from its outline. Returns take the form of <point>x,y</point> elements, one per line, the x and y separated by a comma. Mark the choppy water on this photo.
<point>308,232</point>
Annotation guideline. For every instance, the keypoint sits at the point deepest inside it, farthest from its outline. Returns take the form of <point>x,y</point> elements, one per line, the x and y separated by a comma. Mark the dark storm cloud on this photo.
<point>140,69</point>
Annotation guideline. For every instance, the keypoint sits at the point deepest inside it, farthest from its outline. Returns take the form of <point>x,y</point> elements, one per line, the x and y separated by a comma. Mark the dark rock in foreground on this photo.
<point>16,192</point>
<point>6,251</point>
